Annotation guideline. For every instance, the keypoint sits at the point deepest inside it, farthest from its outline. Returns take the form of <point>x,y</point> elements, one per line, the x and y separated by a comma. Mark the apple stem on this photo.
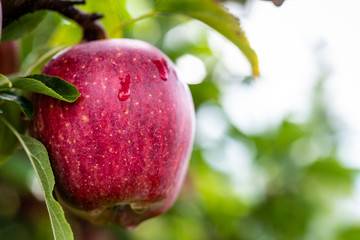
<point>92,29</point>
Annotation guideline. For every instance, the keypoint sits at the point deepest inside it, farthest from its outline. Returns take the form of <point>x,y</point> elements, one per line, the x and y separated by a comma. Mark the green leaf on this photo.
<point>24,104</point>
<point>4,82</point>
<point>205,91</point>
<point>273,213</point>
<point>39,159</point>
<point>37,58</point>
<point>329,173</point>
<point>52,86</point>
<point>26,24</point>
<point>215,16</point>
<point>8,142</point>
<point>16,171</point>
<point>350,233</point>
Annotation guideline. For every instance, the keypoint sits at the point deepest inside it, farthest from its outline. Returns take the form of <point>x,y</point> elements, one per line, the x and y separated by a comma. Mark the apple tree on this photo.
<point>96,119</point>
<point>144,176</point>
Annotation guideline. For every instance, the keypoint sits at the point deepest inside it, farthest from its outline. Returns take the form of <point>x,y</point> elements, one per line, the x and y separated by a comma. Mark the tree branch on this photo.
<point>277,2</point>
<point>92,29</point>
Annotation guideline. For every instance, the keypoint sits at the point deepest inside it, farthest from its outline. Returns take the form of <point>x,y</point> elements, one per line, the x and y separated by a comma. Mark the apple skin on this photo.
<point>120,152</point>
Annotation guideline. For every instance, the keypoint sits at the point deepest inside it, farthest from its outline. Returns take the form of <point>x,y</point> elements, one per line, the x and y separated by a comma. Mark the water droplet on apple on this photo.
<point>124,91</point>
<point>138,208</point>
<point>162,68</point>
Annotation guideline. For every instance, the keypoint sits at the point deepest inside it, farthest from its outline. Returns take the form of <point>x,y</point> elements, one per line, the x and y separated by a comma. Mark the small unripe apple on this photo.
<point>120,152</point>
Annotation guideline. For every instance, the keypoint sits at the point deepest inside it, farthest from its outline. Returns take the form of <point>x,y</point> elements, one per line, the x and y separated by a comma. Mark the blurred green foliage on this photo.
<point>298,176</point>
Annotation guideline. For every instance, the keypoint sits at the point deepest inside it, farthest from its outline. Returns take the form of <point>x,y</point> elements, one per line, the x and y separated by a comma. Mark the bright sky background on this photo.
<point>287,40</point>
<point>293,43</point>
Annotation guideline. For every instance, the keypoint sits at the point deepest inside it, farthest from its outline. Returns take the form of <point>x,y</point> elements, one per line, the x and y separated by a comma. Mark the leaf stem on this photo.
<point>13,130</point>
<point>133,20</point>
<point>39,159</point>
<point>43,58</point>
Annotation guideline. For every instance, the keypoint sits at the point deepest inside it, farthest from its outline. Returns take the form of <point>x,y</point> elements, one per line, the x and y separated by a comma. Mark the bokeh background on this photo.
<point>275,158</point>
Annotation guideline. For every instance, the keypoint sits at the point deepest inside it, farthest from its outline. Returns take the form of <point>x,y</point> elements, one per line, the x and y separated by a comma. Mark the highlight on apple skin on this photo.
<point>120,152</point>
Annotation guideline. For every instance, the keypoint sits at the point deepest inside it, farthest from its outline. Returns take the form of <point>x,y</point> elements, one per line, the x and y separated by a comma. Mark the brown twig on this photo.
<point>92,29</point>
<point>277,2</point>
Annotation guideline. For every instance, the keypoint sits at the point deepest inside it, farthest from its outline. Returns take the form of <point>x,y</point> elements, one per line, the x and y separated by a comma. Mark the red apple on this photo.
<point>120,152</point>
